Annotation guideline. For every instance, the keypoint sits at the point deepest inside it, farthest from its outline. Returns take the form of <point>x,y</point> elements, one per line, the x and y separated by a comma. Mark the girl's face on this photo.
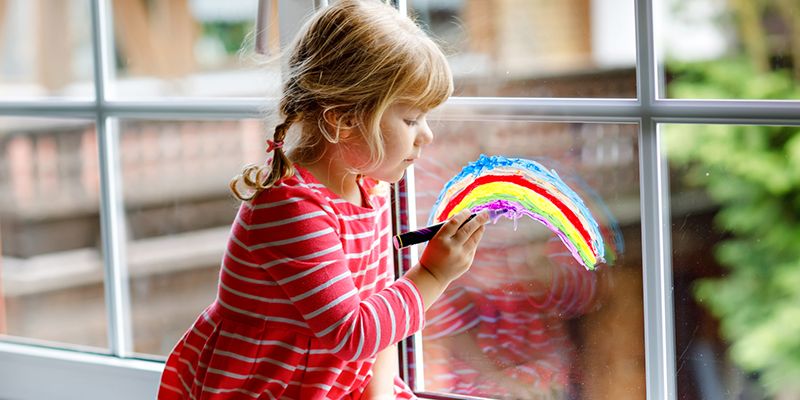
<point>405,132</point>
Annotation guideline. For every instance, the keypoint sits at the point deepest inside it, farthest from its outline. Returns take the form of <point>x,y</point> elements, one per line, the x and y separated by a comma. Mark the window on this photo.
<point>116,145</point>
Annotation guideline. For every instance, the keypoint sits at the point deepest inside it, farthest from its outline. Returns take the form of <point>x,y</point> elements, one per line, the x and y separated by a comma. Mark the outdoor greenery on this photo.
<point>753,173</point>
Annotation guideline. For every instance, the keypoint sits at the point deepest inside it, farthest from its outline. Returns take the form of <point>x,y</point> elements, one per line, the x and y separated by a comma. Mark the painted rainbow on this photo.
<point>523,187</point>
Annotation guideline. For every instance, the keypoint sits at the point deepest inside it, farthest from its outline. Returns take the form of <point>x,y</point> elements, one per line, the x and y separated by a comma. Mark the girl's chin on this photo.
<point>392,177</point>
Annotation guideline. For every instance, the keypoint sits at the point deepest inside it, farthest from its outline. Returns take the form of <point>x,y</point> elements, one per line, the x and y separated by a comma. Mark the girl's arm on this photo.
<point>448,255</point>
<point>384,370</point>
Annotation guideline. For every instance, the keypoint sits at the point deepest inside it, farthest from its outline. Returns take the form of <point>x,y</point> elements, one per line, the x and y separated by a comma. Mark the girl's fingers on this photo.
<point>450,227</point>
<point>476,236</point>
<point>466,230</point>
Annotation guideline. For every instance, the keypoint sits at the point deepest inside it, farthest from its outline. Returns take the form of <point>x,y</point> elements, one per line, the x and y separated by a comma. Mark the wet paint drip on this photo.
<point>514,188</point>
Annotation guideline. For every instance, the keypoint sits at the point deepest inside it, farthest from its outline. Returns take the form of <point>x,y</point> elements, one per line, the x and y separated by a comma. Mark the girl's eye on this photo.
<point>410,122</point>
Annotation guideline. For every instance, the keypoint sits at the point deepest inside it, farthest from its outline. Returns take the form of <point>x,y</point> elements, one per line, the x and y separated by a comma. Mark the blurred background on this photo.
<point>735,190</point>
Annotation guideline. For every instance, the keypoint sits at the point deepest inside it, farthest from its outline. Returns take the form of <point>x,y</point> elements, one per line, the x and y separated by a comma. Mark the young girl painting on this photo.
<point>307,305</point>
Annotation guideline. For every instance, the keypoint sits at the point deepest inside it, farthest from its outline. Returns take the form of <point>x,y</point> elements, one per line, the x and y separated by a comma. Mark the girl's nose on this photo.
<point>424,135</point>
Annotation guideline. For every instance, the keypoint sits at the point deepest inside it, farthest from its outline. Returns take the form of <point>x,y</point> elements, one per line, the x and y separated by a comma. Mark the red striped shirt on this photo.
<point>306,300</point>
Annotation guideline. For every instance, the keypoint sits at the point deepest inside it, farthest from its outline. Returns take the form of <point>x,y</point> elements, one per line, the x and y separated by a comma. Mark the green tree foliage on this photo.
<point>753,173</point>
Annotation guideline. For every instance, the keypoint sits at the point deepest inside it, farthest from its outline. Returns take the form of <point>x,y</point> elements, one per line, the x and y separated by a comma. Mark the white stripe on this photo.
<point>373,264</point>
<point>192,348</point>
<point>377,328</point>
<point>391,316</point>
<point>299,176</point>
<point>237,390</point>
<point>420,306</point>
<point>286,221</point>
<point>306,272</point>
<point>252,360</point>
<point>243,377</point>
<point>186,387</point>
<point>316,385</point>
<point>332,249</point>
<point>372,285</point>
<point>335,370</point>
<point>274,203</point>
<point>334,325</point>
<point>402,302</point>
<point>262,342</point>
<point>198,333</point>
<point>237,259</point>
<point>406,312</point>
<point>289,321</point>
<point>170,387</point>
<point>252,296</point>
<point>229,272</point>
<point>321,287</point>
<point>188,365</point>
<point>312,235</point>
<point>335,302</point>
<point>360,347</point>
<point>342,342</point>
<point>351,236</point>
<point>372,247</point>
<point>208,319</point>
<point>370,214</point>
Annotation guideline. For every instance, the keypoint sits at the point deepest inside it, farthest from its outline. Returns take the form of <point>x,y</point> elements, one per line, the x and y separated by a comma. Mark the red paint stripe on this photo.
<point>520,181</point>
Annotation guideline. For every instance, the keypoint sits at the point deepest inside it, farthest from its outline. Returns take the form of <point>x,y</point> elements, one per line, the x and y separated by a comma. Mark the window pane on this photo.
<point>736,263</point>
<point>536,48</point>
<point>179,212</point>
<point>51,264</point>
<point>188,48</point>
<point>527,319</point>
<point>45,49</point>
<point>729,49</point>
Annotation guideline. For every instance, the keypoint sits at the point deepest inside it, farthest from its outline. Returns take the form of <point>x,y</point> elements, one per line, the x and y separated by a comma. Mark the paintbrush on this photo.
<point>427,233</point>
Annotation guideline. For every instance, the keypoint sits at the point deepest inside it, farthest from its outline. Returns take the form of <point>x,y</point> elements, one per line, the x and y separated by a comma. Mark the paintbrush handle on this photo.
<point>420,235</point>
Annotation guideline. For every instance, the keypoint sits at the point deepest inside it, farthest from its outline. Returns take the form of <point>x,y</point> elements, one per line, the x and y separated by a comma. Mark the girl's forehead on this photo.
<point>406,108</point>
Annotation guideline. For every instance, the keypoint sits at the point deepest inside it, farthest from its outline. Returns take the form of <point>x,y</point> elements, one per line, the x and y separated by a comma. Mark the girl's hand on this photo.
<point>449,254</point>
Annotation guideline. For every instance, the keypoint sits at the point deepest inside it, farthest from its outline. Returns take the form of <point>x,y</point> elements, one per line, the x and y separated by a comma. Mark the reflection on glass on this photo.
<point>45,49</point>
<point>528,321</point>
<point>51,266</point>
<point>736,262</point>
<point>188,48</point>
<point>729,49</point>
<point>535,48</point>
<point>179,211</point>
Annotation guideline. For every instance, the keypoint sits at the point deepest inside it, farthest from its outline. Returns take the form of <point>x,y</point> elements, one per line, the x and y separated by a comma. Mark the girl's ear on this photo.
<point>341,122</point>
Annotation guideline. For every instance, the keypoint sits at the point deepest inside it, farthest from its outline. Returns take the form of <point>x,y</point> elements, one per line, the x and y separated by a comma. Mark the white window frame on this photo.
<point>33,372</point>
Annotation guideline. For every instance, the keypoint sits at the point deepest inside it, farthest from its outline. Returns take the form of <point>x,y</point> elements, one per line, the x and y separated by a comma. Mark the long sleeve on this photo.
<point>298,241</point>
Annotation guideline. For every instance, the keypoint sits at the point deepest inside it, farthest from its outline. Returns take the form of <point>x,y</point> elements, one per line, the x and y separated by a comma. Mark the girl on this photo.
<point>306,306</point>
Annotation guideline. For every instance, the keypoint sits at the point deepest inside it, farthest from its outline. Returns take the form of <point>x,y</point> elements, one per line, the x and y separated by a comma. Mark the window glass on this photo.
<point>183,48</point>
<point>535,48</point>
<point>711,49</point>
<point>736,264</point>
<point>527,320</point>
<point>45,49</point>
<point>179,212</point>
<point>51,263</point>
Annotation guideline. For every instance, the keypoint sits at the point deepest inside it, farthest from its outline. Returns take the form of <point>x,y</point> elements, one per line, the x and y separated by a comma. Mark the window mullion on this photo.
<point>656,246</point>
<point>112,212</point>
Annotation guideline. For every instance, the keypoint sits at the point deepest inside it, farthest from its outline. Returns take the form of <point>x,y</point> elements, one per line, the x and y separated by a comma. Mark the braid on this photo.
<point>257,178</point>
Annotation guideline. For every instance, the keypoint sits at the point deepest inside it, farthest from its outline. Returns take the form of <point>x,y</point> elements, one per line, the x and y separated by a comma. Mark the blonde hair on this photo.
<point>354,58</point>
